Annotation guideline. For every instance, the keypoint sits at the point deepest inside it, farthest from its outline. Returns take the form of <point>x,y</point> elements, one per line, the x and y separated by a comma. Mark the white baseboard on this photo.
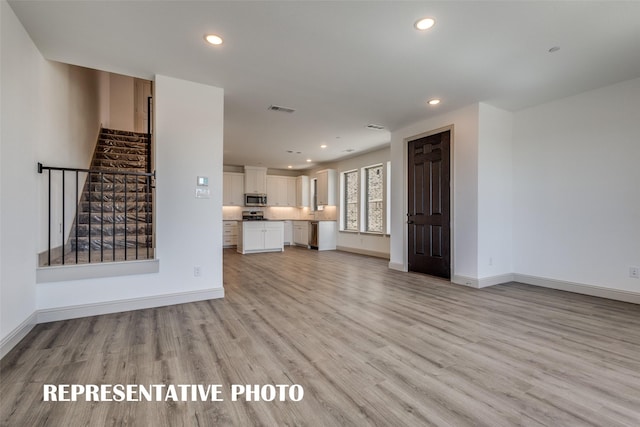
<point>84,310</point>
<point>579,288</point>
<point>465,281</point>
<point>359,251</point>
<point>397,266</point>
<point>17,334</point>
<point>482,282</point>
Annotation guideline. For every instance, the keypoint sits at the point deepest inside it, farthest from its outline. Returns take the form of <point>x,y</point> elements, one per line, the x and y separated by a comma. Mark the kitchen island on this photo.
<point>260,236</point>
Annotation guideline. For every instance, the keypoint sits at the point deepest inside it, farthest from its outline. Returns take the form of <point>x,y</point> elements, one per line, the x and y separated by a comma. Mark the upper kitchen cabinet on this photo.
<point>255,180</point>
<point>302,191</point>
<point>326,187</point>
<point>281,190</point>
<point>232,189</point>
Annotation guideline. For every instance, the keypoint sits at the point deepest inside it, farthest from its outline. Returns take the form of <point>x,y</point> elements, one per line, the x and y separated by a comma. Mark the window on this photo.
<point>364,199</point>
<point>350,197</point>
<point>374,199</point>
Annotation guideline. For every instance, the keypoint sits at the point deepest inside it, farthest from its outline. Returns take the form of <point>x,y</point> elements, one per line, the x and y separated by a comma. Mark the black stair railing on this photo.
<point>133,215</point>
<point>149,130</point>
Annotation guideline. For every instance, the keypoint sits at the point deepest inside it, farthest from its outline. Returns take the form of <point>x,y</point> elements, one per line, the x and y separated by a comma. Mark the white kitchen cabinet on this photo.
<point>261,236</point>
<point>291,191</point>
<point>274,236</point>
<point>229,233</point>
<point>232,189</point>
<point>326,187</point>
<point>288,232</point>
<point>255,180</point>
<point>302,191</point>
<point>301,233</point>
<point>281,190</point>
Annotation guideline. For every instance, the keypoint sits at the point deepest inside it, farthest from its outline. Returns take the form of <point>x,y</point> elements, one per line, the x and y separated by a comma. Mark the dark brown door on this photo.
<point>428,217</point>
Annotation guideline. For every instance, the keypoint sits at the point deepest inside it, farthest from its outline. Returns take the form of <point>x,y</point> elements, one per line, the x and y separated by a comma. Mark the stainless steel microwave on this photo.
<point>255,199</point>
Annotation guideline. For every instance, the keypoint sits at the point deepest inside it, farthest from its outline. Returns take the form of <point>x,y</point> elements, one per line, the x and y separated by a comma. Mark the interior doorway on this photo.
<point>142,91</point>
<point>429,210</point>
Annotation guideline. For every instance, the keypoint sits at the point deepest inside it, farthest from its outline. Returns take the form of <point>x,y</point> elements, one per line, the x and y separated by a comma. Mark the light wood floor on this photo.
<point>370,346</point>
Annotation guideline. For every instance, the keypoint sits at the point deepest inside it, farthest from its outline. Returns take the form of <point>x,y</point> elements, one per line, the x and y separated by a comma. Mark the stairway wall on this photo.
<point>67,135</point>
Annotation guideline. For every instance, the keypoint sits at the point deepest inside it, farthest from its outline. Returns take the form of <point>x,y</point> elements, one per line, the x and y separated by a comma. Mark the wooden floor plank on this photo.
<point>370,346</point>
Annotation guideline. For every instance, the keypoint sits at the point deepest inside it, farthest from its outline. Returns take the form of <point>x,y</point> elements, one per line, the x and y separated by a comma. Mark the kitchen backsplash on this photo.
<point>234,213</point>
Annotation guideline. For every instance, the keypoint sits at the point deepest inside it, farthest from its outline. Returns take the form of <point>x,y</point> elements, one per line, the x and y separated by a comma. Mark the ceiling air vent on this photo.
<point>376,127</point>
<point>280,109</point>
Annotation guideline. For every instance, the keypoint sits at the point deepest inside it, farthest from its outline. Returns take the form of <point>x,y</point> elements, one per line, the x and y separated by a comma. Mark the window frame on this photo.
<point>364,192</point>
<point>344,203</point>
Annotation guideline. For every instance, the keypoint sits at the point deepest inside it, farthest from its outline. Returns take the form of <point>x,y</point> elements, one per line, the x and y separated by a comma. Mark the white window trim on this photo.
<point>364,199</point>
<point>343,202</point>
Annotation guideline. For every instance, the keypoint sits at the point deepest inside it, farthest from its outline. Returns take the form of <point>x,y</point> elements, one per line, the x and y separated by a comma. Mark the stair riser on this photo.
<point>108,208</point>
<point>107,178</point>
<point>115,150</point>
<point>108,188</point>
<point>108,197</point>
<point>121,147</point>
<point>120,166</point>
<point>107,131</point>
<point>105,156</point>
<point>106,244</point>
<point>107,230</point>
<point>141,218</point>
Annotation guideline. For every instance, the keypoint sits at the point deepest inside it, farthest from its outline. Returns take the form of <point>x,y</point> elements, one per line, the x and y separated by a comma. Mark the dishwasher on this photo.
<point>313,234</point>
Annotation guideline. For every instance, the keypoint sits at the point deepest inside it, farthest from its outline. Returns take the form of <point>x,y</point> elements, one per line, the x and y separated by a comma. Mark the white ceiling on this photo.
<point>345,64</point>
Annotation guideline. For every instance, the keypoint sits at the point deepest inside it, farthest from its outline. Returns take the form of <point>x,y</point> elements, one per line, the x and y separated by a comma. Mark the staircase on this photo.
<point>114,221</point>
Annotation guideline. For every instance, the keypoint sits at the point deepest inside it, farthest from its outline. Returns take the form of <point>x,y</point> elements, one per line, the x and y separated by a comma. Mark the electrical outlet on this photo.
<point>196,271</point>
<point>634,272</point>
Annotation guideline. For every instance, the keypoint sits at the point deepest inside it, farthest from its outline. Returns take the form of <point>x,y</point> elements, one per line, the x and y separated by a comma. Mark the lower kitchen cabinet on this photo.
<point>301,233</point>
<point>260,236</point>
<point>229,234</point>
<point>288,232</point>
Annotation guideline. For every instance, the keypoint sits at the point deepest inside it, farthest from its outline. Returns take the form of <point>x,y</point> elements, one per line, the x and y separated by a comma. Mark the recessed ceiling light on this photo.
<point>289,166</point>
<point>554,49</point>
<point>424,23</point>
<point>434,102</point>
<point>308,160</point>
<point>323,146</point>
<point>213,39</point>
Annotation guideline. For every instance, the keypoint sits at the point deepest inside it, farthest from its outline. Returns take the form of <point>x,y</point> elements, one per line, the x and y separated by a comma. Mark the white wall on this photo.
<point>20,80</point>
<point>188,141</point>
<point>465,188</point>
<point>121,112</point>
<point>495,192</point>
<point>68,121</point>
<point>104,83</point>
<point>577,188</point>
